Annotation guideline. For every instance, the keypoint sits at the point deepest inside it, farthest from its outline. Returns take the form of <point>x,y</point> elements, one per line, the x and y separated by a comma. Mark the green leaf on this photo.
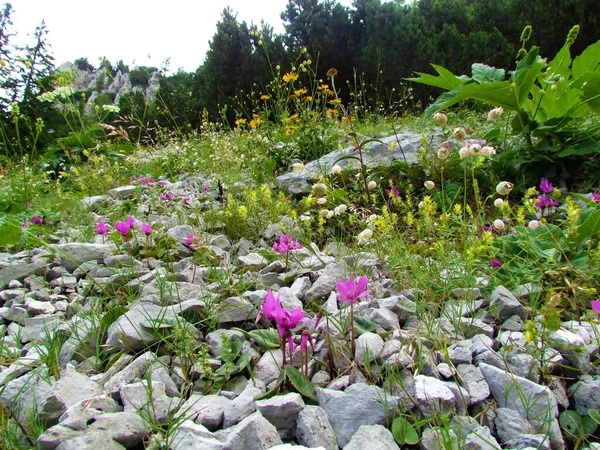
<point>588,426</point>
<point>485,74</point>
<point>404,432</point>
<point>588,61</point>
<point>594,414</point>
<point>300,382</point>
<point>265,338</point>
<point>570,422</point>
<point>525,75</point>
<point>446,79</point>
<point>363,325</point>
<point>589,226</point>
<point>589,83</point>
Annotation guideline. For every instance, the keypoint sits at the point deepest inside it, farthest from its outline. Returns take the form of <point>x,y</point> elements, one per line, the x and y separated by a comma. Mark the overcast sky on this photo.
<point>133,29</point>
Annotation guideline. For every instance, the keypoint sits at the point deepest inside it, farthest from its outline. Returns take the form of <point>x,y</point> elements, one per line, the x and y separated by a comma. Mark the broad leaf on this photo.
<point>589,226</point>
<point>265,338</point>
<point>486,74</point>
<point>594,414</point>
<point>363,325</point>
<point>527,72</point>
<point>588,61</point>
<point>446,79</point>
<point>570,422</point>
<point>590,85</point>
<point>404,432</point>
<point>300,382</point>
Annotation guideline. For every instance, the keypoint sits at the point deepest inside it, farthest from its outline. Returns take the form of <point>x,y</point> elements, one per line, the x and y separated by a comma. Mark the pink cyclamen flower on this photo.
<point>496,263</point>
<point>545,186</point>
<point>123,227</point>
<point>189,240</point>
<point>284,320</point>
<point>102,228</point>
<point>166,197</point>
<point>146,228</point>
<point>130,221</point>
<point>595,197</point>
<point>205,187</point>
<point>306,338</point>
<point>37,220</point>
<point>596,305</point>
<point>286,243</point>
<point>351,291</point>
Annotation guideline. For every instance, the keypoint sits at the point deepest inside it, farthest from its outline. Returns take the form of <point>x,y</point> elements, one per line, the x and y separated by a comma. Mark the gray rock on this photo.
<point>74,254</point>
<point>482,343</point>
<point>325,284</point>
<point>585,394</point>
<point>360,404</point>
<point>437,439</point>
<point>193,436</point>
<point>375,154</point>
<point>268,366</point>
<point>471,326</point>
<point>151,400</point>
<point>461,353</point>
<point>509,425</point>
<point>481,439</point>
<point>300,286</point>
<point>504,304</point>
<point>471,378</point>
<point>206,410</point>
<point>531,401</point>
<point>96,202</point>
<point>529,442</point>
<point>126,428</point>
<point>462,396</point>
<point>124,192</point>
<point>35,307</point>
<point>19,272</point>
<point>288,299</point>
<point>433,396</point>
<point>253,433</point>
<point>58,435</point>
<point>372,437</point>
<point>91,440</point>
<point>282,411</point>
<point>252,261</point>
<point>235,309</point>
<point>368,345</point>
<point>387,319</point>
<point>314,428</point>
<point>241,407</point>
<point>401,305</point>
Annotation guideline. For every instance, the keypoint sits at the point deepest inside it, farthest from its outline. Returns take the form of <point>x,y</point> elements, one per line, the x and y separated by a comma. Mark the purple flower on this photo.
<point>545,202</point>
<point>102,228</point>
<point>284,320</point>
<point>189,240</point>
<point>26,224</point>
<point>545,186</point>
<point>186,200</point>
<point>496,263</point>
<point>286,243</point>
<point>306,338</point>
<point>162,184</point>
<point>146,229</point>
<point>167,196</point>
<point>596,305</point>
<point>351,291</point>
<point>205,187</point>
<point>37,220</point>
<point>123,227</point>
<point>595,196</point>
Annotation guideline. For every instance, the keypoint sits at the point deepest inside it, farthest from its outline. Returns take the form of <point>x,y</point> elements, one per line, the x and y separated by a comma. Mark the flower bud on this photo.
<point>474,149</point>
<point>319,189</point>
<point>533,224</point>
<point>372,218</point>
<point>499,224</point>
<point>323,213</point>
<point>372,185</point>
<point>463,152</point>
<point>498,203</point>
<point>504,187</point>
<point>443,153</point>
<point>495,114</point>
<point>336,169</point>
<point>364,235</point>
<point>429,184</point>
<point>297,167</point>
<point>487,151</point>
<point>440,119</point>
<point>459,134</point>
<point>321,201</point>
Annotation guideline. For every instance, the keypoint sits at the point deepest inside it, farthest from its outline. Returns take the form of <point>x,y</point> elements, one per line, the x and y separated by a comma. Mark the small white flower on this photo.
<point>440,119</point>
<point>330,214</point>
<point>498,203</point>
<point>372,218</point>
<point>504,187</point>
<point>463,152</point>
<point>443,153</point>
<point>340,209</point>
<point>499,224</point>
<point>364,235</point>
<point>319,189</point>
<point>336,169</point>
<point>321,201</point>
<point>429,184</point>
<point>495,114</point>
<point>323,213</point>
<point>297,167</point>
<point>421,205</point>
<point>459,134</point>
<point>304,218</point>
<point>474,149</point>
<point>372,185</point>
<point>533,224</point>
<point>487,151</point>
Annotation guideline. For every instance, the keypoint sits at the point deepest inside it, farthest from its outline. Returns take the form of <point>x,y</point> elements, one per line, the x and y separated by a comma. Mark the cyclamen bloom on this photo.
<point>595,197</point>
<point>123,227</point>
<point>189,240</point>
<point>351,291</point>
<point>102,228</point>
<point>545,186</point>
<point>146,229</point>
<point>596,305</point>
<point>285,320</point>
<point>166,197</point>
<point>286,244</point>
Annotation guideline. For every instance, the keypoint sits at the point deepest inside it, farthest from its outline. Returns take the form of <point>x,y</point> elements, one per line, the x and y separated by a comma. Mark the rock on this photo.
<point>325,284</point>
<point>124,192</point>
<point>241,407</point>
<point>253,433</point>
<point>529,442</point>
<point>368,345</point>
<point>481,439</point>
<point>19,272</point>
<point>41,328</point>
<point>461,353</point>
<point>289,301</point>
<point>90,440</point>
<point>433,396</point>
<point>504,304</point>
<point>36,308</point>
<point>235,309</point>
<point>268,367</point>
<point>126,428</point>
<point>73,255</point>
<point>372,437</point>
<point>282,411</point>
<point>531,401</point>
<point>314,428</point>
<point>96,202</point>
<point>206,410</point>
<point>509,425</point>
<point>437,439</point>
<point>360,404</point>
<point>471,378</point>
<point>252,262</point>
<point>375,154</point>
<point>585,394</point>
<point>193,436</point>
<point>387,319</point>
<point>151,400</point>
<point>300,286</point>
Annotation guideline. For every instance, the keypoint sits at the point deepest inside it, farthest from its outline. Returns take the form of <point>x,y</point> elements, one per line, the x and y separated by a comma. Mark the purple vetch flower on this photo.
<point>166,196</point>
<point>496,263</point>
<point>37,220</point>
<point>205,187</point>
<point>190,239</point>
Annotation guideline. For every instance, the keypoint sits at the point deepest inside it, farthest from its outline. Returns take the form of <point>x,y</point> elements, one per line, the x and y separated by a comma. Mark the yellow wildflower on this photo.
<point>265,97</point>
<point>240,122</point>
<point>300,92</point>
<point>290,77</point>
<point>255,122</point>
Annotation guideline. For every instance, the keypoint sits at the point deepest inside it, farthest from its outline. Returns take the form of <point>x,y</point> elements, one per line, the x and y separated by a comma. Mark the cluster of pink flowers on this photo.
<point>543,200</point>
<point>35,220</point>
<point>124,227</point>
<point>391,193</point>
<point>190,239</point>
<point>286,244</point>
<point>140,179</point>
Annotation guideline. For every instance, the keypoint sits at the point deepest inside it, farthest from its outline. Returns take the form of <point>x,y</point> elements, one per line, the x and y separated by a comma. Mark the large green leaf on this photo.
<point>363,325</point>
<point>589,83</point>
<point>526,74</point>
<point>446,79</point>
<point>268,338</point>
<point>404,432</point>
<point>482,73</point>
<point>300,382</point>
<point>589,226</point>
<point>588,61</point>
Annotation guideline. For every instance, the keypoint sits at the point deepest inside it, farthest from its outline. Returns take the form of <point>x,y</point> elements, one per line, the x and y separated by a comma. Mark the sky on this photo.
<point>140,32</point>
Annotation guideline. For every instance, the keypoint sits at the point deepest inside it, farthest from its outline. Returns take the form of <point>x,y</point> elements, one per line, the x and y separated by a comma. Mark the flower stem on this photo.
<point>352,344</point>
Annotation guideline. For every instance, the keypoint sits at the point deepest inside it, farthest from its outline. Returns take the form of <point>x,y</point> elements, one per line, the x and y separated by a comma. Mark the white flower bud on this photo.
<point>459,134</point>
<point>495,113</point>
<point>487,151</point>
<point>443,153</point>
<point>336,169</point>
<point>364,235</point>
<point>533,224</point>
<point>429,184</point>
<point>297,167</point>
<point>440,119</point>
<point>463,152</point>
<point>321,201</point>
<point>498,203</point>
<point>323,213</point>
<point>319,189</point>
<point>499,224</point>
<point>504,187</point>
<point>372,185</point>
<point>474,149</point>
<point>330,214</point>
<point>372,218</point>
<point>421,205</point>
